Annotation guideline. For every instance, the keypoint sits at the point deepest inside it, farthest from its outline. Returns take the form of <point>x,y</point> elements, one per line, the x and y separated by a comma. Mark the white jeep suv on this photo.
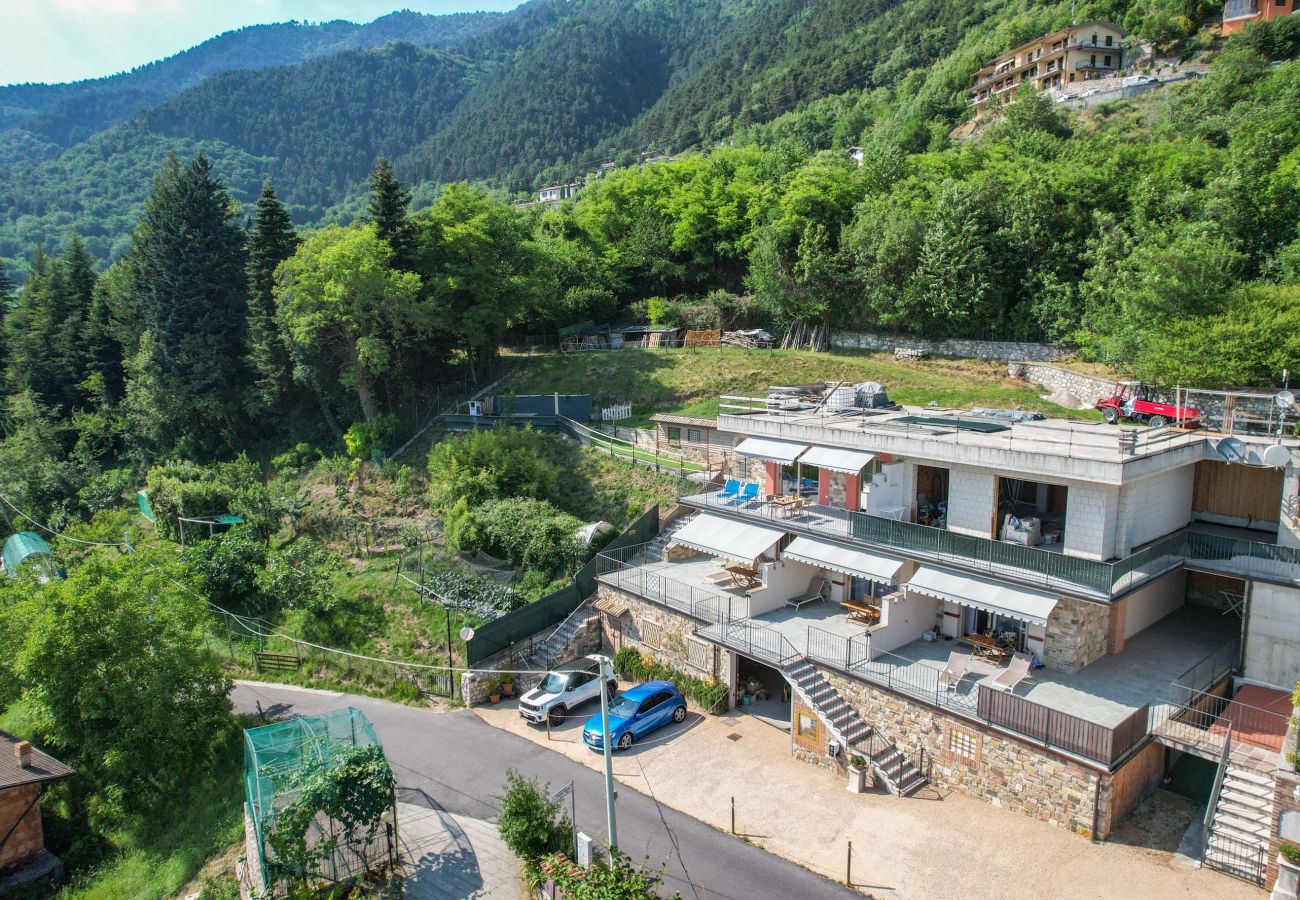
<point>562,690</point>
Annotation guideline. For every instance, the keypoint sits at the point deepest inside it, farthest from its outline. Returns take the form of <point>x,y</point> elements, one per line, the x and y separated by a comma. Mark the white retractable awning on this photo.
<point>983,593</point>
<point>875,566</point>
<point>727,538</point>
<point>851,461</point>
<point>770,450</point>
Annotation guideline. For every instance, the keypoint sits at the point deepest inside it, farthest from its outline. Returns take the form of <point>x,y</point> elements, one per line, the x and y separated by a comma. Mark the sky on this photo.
<point>67,40</point>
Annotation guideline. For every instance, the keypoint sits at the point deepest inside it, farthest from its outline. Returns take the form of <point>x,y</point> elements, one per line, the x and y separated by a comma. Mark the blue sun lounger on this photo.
<point>729,490</point>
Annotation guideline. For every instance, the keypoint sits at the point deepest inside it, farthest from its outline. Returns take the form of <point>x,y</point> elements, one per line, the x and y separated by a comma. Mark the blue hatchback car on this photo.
<point>635,713</point>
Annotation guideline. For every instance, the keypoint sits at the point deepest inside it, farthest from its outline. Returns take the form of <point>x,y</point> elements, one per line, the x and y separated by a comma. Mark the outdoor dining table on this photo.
<point>787,503</point>
<point>989,647</point>
<point>743,576</point>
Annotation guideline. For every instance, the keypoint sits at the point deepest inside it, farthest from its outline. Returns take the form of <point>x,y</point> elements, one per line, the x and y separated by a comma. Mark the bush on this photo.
<point>531,823</point>
<point>490,465</point>
<point>227,567</point>
<point>525,531</point>
<point>299,576</point>
<point>187,489</point>
<point>104,491</point>
<point>617,880</point>
<point>633,665</point>
<point>364,439</point>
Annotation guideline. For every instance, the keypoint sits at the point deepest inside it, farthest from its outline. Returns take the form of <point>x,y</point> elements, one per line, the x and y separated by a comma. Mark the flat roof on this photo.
<point>694,421</point>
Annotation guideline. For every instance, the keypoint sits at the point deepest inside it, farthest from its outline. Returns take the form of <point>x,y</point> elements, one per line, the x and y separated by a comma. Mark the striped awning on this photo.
<point>610,606</point>
<point>837,460</point>
<point>1025,604</point>
<point>727,538</point>
<point>875,566</point>
<point>771,450</point>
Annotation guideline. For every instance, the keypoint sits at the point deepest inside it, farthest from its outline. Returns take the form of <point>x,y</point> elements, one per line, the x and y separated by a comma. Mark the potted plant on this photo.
<point>1288,871</point>
<point>857,774</point>
<point>493,688</point>
<point>508,685</point>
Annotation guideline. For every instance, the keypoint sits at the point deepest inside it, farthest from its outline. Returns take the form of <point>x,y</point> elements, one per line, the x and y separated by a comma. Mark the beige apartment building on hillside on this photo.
<point>1053,62</point>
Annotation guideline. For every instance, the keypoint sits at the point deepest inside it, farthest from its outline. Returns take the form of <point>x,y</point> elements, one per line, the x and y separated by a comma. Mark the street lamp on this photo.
<point>606,674</point>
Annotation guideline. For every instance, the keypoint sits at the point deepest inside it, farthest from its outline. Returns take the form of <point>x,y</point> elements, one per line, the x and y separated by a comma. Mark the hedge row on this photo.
<point>633,665</point>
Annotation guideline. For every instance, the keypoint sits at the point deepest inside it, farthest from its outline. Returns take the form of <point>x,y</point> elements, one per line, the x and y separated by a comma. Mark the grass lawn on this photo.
<point>689,382</point>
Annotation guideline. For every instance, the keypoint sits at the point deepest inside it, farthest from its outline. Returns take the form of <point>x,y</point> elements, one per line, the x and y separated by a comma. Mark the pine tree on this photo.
<point>6,287</point>
<point>187,287</point>
<point>389,204</point>
<point>271,240</point>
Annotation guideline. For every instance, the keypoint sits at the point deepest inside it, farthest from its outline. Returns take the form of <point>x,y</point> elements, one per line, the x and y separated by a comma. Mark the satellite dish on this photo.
<point>466,633</point>
<point>1231,449</point>
<point>1253,458</point>
<point>1277,456</point>
<point>1284,400</point>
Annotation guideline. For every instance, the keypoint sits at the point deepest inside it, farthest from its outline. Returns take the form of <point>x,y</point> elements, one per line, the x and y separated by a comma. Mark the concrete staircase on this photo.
<point>1239,830</point>
<point>853,734</point>
<point>547,653</point>
<point>654,551</point>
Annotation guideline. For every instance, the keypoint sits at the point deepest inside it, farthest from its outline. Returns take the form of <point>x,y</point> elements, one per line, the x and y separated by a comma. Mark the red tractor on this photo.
<point>1135,400</point>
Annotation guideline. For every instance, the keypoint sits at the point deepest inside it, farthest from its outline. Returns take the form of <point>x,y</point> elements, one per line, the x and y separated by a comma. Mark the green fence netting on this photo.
<point>142,500</point>
<point>19,547</point>
<point>493,637</point>
<point>275,756</point>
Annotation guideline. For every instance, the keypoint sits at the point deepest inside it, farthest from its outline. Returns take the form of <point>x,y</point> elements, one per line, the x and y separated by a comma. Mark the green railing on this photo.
<point>493,637</point>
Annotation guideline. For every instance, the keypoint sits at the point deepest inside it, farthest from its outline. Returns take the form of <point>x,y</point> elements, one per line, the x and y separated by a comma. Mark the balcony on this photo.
<point>1213,550</point>
<point>1086,64</point>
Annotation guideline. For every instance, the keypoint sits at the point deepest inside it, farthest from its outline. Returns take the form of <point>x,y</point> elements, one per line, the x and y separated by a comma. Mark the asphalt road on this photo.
<point>459,762</point>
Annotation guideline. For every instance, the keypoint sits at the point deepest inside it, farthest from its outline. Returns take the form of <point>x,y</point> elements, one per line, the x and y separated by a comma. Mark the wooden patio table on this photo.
<point>744,576</point>
<point>989,647</point>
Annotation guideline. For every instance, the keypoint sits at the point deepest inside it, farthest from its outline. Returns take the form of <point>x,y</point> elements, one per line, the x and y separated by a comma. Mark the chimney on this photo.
<point>23,752</point>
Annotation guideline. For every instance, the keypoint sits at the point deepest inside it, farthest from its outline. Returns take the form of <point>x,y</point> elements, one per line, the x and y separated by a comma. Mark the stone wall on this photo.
<point>1076,634</point>
<point>1060,381</point>
<point>587,639</point>
<point>27,837</point>
<point>665,635</point>
<point>844,340</point>
<point>970,757</point>
<point>1286,809</point>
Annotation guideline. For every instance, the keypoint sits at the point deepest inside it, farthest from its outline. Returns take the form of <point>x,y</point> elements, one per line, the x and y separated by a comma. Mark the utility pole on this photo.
<point>606,674</point>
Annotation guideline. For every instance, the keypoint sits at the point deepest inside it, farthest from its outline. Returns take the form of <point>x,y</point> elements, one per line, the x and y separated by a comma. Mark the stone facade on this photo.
<point>473,690</point>
<point>1286,810</point>
<point>843,340</point>
<point>665,635</point>
<point>977,760</point>
<point>1076,634</point>
<point>27,838</point>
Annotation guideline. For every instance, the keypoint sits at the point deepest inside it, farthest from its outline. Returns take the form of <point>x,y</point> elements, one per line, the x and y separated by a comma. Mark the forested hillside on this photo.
<point>37,120</point>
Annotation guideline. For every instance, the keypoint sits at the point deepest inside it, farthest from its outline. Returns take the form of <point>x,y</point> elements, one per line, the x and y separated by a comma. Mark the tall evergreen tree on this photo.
<point>187,285</point>
<point>6,286</point>
<point>389,205</point>
<point>271,240</point>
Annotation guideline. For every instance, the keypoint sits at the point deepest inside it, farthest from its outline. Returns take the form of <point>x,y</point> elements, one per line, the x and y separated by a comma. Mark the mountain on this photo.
<point>37,120</point>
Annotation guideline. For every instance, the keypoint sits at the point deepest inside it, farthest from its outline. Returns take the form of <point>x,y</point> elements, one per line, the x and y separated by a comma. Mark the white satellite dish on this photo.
<point>1231,449</point>
<point>1277,457</point>
<point>466,633</point>
<point>1284,400</point>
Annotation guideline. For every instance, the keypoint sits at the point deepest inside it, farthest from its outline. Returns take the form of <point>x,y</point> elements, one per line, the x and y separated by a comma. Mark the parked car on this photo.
<point>635,713</point>
<point>563,690</point>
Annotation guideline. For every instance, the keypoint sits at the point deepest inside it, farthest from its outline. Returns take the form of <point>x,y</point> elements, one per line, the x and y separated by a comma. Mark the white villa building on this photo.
<point>1046,614</point>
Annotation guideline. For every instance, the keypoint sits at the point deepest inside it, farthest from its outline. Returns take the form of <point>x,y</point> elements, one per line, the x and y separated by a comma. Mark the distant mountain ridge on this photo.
<point>39,120</point>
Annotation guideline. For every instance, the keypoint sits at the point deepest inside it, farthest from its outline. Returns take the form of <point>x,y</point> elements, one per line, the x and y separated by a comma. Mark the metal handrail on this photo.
<point>1213,803</point>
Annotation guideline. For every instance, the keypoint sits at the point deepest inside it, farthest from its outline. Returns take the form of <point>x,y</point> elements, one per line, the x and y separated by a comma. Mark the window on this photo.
<point>1092,59</point>
<point>1094,38</point>
<point>1105,60</point>
<point>693,435</point>
<point>1110,41</point>
<point>963,744</point>
<point>699,655</point>
<point>651,634</point>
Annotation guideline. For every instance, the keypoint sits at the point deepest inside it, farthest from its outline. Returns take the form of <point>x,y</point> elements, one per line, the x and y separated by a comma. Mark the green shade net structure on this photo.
<point>142,500</point>
<point>19,547</point>
<point>275,758</point>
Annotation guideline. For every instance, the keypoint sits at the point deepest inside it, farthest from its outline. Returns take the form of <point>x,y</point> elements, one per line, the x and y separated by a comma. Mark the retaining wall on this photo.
<point>962,349</point>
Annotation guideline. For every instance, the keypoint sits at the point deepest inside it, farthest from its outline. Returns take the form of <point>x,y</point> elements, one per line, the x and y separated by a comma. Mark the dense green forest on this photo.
<point>38,120</point>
